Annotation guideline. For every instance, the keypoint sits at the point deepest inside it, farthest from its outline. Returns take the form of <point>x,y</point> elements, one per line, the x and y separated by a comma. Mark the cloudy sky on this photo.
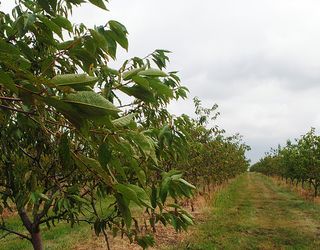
<point>258,60</point>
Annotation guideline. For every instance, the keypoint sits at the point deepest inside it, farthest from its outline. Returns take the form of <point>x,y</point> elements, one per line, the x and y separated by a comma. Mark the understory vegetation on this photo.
<point>82,142</point>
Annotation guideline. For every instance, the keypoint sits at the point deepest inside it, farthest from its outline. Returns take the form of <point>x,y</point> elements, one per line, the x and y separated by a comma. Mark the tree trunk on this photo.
<point>36,240</point>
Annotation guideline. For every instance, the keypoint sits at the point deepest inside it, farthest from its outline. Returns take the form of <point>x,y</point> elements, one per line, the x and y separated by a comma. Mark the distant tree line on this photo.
<point>297,162</point>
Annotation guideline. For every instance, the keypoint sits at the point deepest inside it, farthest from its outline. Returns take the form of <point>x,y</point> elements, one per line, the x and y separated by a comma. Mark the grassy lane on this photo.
<point>254,213</point>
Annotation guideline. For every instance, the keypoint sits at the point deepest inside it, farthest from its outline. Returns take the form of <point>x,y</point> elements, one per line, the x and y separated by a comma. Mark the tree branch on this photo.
<point>13,232</point>
<point>10,99</point>
<point>16,110</point>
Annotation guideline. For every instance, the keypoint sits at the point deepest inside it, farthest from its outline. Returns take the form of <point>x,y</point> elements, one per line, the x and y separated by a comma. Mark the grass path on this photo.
<point>254,213</point>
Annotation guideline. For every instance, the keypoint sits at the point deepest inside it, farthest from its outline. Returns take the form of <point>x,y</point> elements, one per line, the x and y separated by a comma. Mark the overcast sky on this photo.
<point>258,60</point>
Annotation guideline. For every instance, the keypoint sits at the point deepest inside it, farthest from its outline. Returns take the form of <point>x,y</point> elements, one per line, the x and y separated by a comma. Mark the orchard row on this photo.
<point>297,161</point>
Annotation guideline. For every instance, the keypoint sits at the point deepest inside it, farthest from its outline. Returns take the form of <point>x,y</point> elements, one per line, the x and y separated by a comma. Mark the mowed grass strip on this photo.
<point>254,213</point>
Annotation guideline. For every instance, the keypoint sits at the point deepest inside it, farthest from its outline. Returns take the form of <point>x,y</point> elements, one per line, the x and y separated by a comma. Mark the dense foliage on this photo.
<point>297,161</point>
<point>85,143</point>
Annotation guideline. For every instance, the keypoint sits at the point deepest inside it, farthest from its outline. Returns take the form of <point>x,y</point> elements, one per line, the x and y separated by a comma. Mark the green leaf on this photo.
<point>138,92</point>
<point>129,74</point>
<point>164,189</point>
<point>7,82</point>
<point>99,39</point>
<point>154,197</point>
<point>74,80</point>
<point>142,81</point>
<point>93,165</point>
<point>127,192</point>
<point>112,44</point>
<point>141,194</point>
<point>64,151</point>
<point>145,241</point>
<point>99,3</point>
<point>187,219</point>
<point>123,121</point>
<point>124,210</point>
<point>51,25</point>
<point>91,103</point>
<point>152,72</point>
<point>44,4</point>
<point>104,154</point>
<point>119,33</point>
<point>73,115</point>
<point>187,184</point>
<point>8,48</point>
<point>63,22</point>
<point>117,27</point>
<point>160,88</point>
<point>145,143</point>
<point>139,172</point>
<point>79,199</point>
<point>29,20</point>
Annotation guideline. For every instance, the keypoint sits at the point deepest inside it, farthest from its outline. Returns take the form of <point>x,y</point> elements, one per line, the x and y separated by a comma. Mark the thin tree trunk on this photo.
<point>36,240</point>
<point>33,230</point>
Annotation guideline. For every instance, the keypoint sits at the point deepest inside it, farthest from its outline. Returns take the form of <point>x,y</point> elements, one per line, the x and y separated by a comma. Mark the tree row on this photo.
<point>298,161</point>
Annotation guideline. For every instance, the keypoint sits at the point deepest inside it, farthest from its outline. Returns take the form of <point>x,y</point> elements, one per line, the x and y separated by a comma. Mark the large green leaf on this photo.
<point>64,151</point>
<point>145,143</point>
<point>124,210</point>
<point>119,33</point>
<point>127,192</point>
<point>63,22</point>
<point>142,81</point>
<point>138,92</point>
<point>72,114</point>
<point>152,72</point>
<point>141,194</point>
<point>91,103</point>
<point>74,80</point>
<point>123,121</point>
<point>160,88</point>
<point>51,25</point>
<point>129,74</point>
<point>99,39</point>
<point>93,166</point>
<point>99,3</point>
<point>7,82</point>
<point>6,47</point>
<point>104,154</point>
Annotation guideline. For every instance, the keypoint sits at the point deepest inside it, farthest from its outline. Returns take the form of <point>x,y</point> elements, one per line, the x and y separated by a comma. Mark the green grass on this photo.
<point>250,213</point>
<point>254,213</point>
